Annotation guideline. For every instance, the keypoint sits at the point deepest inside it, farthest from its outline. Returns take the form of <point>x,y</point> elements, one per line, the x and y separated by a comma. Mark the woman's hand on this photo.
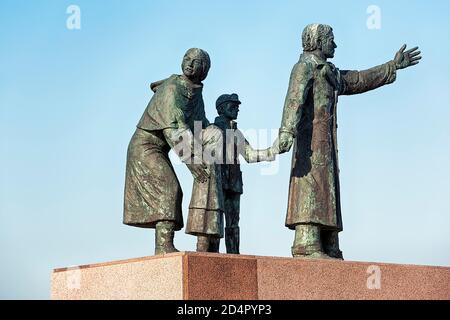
<point>199,171</point>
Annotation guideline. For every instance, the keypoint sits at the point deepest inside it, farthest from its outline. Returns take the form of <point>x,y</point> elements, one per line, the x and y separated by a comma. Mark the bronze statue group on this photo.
<point>175,120</point>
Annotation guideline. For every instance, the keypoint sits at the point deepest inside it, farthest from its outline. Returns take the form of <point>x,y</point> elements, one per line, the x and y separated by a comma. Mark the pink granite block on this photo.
<point>220,277</point>
<point>287,278</point>
<point>144,278</point>
<point>192,276</point>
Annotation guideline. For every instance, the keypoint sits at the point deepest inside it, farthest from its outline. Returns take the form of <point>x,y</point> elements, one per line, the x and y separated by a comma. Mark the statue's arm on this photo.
<point>354,82</point>
<point>181,141</point>
<point>179,137</point>
<point>255,155</point>
<point>300,83</point>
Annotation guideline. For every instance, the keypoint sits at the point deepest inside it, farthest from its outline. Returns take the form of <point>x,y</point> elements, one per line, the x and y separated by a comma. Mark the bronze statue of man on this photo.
<point>309,119</point>
<point>153,195</point>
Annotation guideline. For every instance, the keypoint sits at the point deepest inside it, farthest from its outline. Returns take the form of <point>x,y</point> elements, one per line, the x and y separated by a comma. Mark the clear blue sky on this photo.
<point>70,100</point>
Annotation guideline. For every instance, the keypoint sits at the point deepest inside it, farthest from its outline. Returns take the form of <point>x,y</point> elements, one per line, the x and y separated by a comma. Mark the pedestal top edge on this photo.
<point>235,256</point>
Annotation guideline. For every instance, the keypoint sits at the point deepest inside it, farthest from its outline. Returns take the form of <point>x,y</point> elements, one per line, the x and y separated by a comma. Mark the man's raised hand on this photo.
<point>404,59</point>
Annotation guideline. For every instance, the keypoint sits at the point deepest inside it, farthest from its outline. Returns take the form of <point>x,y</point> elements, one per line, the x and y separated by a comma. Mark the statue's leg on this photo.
<point>207,243</point>
<point>330,240</point>
<point>164,235</point>
<point>232,205</point>
<point>202,243</point>
<point>214,244</point>
<point>307,242</point>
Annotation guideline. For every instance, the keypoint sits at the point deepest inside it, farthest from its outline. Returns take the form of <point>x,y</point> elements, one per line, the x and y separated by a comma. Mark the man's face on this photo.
<point>231,110</point>
<point>328,45</point>
<point>192,66</point>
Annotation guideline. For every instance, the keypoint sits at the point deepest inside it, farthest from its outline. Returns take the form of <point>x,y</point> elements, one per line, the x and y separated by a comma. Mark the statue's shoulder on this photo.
<point>303,68</point>
<point>309,60</point>
<point>167,92</point>
<point>173,82</point>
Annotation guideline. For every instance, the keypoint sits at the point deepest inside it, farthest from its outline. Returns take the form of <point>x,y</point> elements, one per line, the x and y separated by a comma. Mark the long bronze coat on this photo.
<point>152,190</point>
<point>310,114</point>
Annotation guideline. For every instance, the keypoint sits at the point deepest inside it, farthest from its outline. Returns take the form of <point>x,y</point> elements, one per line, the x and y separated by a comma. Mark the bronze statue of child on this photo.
<point>235,144</point>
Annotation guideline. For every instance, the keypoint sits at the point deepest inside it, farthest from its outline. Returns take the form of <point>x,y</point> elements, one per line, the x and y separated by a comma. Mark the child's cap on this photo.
<point>227,97</point>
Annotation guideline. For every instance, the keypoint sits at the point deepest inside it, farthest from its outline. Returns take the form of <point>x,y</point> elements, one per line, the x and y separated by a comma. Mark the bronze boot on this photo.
<point>164,235</point>
<point>202,244</point>
<point>207,244</point>
<point>330,242</point>
<point>307,243</point>
<point>214,244</point>
<point>232,239</point>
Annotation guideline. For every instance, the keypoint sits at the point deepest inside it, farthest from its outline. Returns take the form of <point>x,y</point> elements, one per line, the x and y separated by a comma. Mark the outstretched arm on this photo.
<point>256,155</point>
<point>248,153</point>
<point>354,82</point>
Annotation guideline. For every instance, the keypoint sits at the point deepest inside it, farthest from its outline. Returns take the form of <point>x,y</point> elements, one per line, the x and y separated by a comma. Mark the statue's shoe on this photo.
<point>165,250</point>
<point>316,255</point>
<point>336,254</point>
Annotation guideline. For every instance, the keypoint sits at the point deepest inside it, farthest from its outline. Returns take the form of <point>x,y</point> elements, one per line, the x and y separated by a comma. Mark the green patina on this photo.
<point>309,122</point>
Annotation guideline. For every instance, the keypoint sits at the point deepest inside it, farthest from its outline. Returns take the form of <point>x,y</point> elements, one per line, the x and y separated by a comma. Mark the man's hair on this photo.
<point>204,57</point>
<point>220,107</point>
<point>312,33</point>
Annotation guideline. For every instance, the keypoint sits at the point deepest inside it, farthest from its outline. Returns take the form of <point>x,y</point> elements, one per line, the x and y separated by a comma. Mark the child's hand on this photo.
<point>275,149</point>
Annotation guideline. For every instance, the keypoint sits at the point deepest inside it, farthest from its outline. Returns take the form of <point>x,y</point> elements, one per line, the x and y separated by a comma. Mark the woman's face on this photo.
<point>192,66</point>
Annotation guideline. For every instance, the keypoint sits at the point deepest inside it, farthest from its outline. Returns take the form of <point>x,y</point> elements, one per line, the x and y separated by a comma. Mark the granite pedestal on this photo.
<point>193,276</point>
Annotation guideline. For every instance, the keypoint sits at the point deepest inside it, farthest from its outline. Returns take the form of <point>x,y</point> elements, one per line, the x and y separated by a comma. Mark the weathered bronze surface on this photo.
<point>235,144</point>
<point>153,195</point>
<point>309,122</point>
<point>176,115</point>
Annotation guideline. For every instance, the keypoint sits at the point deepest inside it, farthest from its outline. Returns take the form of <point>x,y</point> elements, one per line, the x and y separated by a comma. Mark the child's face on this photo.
<point>231,110</point>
